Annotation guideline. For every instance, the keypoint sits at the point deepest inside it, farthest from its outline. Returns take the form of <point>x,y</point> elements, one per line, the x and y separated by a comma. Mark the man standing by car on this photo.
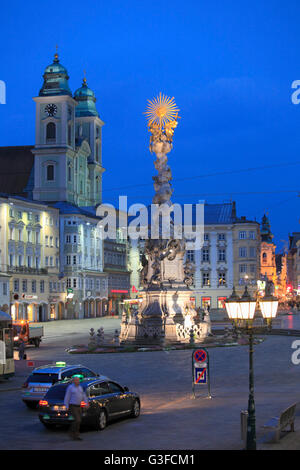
<point>73,398</point>
<point>21,349</point>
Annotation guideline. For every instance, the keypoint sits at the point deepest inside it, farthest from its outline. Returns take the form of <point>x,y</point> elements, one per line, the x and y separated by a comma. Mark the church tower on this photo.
<point>267,251</point>
<point>88,127</point>
<point>54,149</point>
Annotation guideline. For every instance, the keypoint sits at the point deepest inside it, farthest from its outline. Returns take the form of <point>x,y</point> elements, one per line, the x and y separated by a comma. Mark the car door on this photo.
<point>101,395</point>
<point>123,400</point>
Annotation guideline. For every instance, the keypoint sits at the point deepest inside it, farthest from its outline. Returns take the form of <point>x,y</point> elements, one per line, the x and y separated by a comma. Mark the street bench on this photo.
<point>279,423</point>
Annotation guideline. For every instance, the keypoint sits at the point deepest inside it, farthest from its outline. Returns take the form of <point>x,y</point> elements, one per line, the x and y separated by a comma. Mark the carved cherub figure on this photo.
<point>169,129</point>
<point>155,130</point>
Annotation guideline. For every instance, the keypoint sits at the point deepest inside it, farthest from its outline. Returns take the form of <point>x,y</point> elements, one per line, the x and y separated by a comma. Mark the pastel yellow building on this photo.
<point>29,244</point>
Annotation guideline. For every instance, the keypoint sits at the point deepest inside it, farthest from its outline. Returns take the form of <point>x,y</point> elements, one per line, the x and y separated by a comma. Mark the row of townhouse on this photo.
<point>51,261</point>
<point>54,263</point>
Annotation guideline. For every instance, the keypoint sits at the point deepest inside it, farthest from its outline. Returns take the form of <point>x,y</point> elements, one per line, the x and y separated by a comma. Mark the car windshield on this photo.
<point>57,392</point>
<point>42,378</point>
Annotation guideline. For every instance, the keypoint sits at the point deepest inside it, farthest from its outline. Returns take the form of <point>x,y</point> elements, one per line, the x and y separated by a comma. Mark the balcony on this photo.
<point>26,270</point>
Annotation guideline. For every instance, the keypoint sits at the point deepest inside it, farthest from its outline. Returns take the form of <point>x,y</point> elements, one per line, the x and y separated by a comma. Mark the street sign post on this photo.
<point>200,369</point>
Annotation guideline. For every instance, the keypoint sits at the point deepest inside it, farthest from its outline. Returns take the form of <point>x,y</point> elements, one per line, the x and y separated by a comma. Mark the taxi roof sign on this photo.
<point>60,364</point>
<point>80,376</point>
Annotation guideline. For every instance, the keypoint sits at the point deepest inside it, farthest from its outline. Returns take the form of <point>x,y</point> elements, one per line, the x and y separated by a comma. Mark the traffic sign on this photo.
<point>200,355</point>
<point>200,375</point>
<point>200,369</point>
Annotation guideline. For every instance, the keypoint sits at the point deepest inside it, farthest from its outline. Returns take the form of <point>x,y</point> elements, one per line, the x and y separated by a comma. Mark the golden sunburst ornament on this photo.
<point>161,110</point>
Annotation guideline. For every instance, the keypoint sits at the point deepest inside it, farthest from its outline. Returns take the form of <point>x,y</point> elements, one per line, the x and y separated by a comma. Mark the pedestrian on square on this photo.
<point>21,349</point>
<point>74,396</point>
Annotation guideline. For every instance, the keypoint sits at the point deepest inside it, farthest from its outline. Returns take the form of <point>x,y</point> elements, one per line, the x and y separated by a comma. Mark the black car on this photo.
<point>107,401</point>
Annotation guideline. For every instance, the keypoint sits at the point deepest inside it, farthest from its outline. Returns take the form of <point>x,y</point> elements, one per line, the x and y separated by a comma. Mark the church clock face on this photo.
<point>51,109</point>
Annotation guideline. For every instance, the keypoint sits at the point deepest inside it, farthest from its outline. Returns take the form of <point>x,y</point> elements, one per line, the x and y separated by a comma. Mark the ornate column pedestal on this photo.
<point>166,312</point>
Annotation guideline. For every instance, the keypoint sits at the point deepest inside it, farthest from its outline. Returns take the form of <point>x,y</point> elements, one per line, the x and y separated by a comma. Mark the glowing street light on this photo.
<point>241,311</point>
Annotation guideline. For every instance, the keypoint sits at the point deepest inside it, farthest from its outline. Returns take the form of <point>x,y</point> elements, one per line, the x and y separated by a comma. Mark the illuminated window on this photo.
<point>205,280</point>
<point>222,278</point>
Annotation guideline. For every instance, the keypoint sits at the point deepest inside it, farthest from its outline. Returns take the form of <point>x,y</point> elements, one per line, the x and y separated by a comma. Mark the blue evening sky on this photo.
<point>229,64</point>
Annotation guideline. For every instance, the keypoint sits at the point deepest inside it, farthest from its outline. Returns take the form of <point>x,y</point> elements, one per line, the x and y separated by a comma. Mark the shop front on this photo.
<point>33,311</point>
<point>115,300</point>
<point>206,302</point>
<point>221,302</point>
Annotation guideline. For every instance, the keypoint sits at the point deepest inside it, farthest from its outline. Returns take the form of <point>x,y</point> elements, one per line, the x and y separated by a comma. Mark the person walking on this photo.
<point>74,396</point>
<point>21,349</point>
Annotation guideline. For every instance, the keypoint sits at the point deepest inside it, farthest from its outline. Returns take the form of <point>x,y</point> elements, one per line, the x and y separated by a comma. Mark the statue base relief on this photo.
<point>165,316</point>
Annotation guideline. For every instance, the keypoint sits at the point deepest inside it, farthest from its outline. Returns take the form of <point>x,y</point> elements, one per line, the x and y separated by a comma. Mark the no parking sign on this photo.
<point>200,364</point>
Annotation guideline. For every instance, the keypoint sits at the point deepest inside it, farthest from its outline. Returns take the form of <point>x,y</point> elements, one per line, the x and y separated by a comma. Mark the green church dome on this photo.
<point>86,100</point>
<point>55,80</point>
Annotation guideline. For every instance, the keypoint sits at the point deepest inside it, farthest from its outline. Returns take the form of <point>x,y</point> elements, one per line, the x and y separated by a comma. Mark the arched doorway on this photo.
<point>86,308</point>
<point>92,308</point>
<point>61,311</point>
<point>98,308</point>
<point>42,313</point>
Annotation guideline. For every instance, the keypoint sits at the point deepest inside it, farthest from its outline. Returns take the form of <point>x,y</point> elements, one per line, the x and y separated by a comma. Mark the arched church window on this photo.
<point>50,131</point>
<point>69,173</point>
<point>50,172</point>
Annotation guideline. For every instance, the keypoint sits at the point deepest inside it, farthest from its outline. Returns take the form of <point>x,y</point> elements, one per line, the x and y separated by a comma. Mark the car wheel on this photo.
<point>31,404</point>
<point>136,409</point>
<point>101,420</point>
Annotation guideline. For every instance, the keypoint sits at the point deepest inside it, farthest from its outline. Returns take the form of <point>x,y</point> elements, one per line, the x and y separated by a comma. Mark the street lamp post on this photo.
<point>241,311</point>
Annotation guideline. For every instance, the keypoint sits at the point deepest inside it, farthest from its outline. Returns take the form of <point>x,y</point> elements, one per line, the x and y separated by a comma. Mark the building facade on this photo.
<point>293,263</point>
<point>4,292</point>
<point>30,256</point>
<point>246,255</point>
<point>81,267</point>
<point>51,243</point>
<point>229,257</point>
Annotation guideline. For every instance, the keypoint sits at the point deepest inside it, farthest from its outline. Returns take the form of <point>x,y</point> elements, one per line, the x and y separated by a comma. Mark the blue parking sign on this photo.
<point>200,375</point>
<point>200,366</point>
